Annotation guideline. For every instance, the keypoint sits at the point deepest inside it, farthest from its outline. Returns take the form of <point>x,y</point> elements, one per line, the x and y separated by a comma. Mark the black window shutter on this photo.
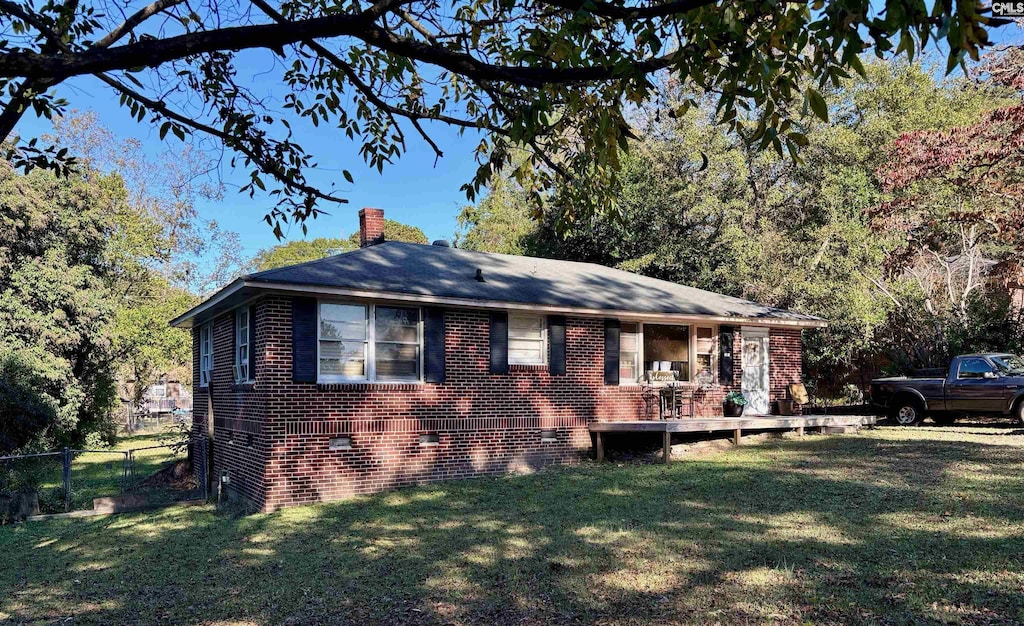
<point>433,345</point>
<point>556,344</point>
<point>499,342</point>
<point>725,357</point>
<point>304,340</point>
<point>252,342</point>
<point>611,352</point>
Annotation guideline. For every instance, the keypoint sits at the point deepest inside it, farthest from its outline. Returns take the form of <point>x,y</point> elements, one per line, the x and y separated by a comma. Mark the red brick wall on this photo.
<point>785,362</point>
<point>239,442</point>
<point>371,227</point>
<point>486,423</point>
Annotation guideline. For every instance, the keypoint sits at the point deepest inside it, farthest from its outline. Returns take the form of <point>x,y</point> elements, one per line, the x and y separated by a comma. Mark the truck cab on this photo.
<point>988,383</point>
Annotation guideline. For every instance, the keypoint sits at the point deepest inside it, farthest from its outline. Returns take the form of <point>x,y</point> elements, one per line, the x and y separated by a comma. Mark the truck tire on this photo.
<point>906,412</point>
<point>945,419</point>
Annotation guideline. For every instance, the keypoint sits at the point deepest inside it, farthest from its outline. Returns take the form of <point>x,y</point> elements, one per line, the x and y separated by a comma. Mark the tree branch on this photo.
<point>230,141</point>
<point>154,52</point>
<point>134,20</point>
<point>614,11</point>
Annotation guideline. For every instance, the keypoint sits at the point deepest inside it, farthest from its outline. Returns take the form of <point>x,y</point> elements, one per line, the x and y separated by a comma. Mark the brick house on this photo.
<point>403,363</point>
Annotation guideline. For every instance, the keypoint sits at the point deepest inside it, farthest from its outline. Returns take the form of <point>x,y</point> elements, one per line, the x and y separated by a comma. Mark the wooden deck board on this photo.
<point>721,424</point>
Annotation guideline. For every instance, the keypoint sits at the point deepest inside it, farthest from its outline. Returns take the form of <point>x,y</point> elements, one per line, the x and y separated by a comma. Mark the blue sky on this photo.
<point>414,190</point>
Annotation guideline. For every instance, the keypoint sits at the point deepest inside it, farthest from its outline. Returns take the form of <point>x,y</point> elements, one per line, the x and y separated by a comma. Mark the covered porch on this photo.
<point>722,424</point>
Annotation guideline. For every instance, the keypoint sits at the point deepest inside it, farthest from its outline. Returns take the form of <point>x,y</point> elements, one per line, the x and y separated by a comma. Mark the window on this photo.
<point>397,343</point>
<point>629,353</point>
<point>1009,364</point>
<point>705,349</point>
<point>343,341</point>
<point>242,345</point>
<point>369,343</point>
<point>205,355</point>
<point>667,349</point>
<point>974,368</point>
<point>526,340</point>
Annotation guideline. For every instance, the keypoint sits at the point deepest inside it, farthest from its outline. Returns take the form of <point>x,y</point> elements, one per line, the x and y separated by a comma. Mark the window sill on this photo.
<point>364,385</point>
<point>527,367</point>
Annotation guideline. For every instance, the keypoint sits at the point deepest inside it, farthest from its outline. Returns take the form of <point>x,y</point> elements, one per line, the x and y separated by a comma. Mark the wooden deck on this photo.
<point>722,424</point>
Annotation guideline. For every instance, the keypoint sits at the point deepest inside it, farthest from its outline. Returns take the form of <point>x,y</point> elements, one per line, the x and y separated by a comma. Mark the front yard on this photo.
<point>895,526</point>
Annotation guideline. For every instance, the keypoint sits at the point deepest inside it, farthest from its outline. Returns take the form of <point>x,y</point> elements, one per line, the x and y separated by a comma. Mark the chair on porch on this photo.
<point>673,396</point>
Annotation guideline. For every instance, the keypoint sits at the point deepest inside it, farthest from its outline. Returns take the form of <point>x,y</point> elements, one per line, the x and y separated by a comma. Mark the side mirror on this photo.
<point>990,375</point>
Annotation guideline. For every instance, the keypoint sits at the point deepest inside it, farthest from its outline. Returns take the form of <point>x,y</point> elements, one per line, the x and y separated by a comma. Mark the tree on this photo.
<point>501,222</point>
<point>395,231</point>
<point>145,345</point>
<point>302,250</point>
<point>763,227</point>
<point>299,251</point>
<point>161,254</point>
<point>550,77</point>
<point>56,304</point>
<point>92,266</point>
<point>956,199</point>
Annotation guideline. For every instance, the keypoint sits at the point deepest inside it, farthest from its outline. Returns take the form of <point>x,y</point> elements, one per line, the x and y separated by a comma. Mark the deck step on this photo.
<point>839,430</point>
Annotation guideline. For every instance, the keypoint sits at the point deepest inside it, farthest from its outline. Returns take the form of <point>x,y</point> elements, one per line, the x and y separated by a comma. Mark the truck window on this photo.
<point>974,368</point>
<point>1009,363</point>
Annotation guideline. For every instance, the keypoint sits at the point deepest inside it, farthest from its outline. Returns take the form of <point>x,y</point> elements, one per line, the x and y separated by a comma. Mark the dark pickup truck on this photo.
<point>991,384</point>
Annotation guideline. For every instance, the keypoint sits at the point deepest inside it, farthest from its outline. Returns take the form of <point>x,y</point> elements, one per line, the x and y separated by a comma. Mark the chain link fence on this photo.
<point>71,479</point>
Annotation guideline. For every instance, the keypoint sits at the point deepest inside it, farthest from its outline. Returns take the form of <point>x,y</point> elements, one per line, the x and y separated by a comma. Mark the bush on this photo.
<point>27,408</point>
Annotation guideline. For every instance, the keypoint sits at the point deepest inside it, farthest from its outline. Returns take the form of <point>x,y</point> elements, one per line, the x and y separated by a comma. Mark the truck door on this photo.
<point>967,388</point>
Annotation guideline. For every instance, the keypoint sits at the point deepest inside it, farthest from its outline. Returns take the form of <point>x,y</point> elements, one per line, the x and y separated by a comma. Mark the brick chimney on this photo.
<point>371,227</point>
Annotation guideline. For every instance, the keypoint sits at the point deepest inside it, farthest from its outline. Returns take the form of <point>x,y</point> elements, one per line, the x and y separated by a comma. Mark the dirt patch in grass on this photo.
<point>890,526</point>
<point>177,476</point>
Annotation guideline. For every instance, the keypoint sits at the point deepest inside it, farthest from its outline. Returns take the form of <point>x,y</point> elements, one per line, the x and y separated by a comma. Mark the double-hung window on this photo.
<point>242,347</point>
<point>705,339</point>
<point>343,341</point>
<point>527,341</point>
<point>205,355</point>
<point>369,343</point>
<point>629,353</point>
<point>396,345</point>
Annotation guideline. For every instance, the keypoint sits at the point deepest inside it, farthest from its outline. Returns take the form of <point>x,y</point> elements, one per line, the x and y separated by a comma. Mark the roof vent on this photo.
<point>442,243</point>
<point>479,275</point>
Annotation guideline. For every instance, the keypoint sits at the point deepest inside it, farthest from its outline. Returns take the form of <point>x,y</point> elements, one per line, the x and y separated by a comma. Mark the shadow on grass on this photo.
<point>891,527</point>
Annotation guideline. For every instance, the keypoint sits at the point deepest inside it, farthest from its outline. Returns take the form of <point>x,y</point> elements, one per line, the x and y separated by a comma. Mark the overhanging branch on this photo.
<point>154,52</point>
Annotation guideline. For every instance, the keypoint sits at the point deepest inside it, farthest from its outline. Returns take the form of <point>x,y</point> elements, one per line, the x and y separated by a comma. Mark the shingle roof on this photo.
<point>442,272</point>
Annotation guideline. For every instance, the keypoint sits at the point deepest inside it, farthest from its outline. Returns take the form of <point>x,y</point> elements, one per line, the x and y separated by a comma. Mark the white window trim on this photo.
<point>543,339</point>
<point>715,331</point>
<point>714,351</point>
<point>639,353</point>
<point>370,346</point>
<point>238,343</point>
<point>206,374</point>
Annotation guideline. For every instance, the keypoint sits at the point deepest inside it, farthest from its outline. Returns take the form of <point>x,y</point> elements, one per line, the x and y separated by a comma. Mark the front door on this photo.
<point>755,371</point>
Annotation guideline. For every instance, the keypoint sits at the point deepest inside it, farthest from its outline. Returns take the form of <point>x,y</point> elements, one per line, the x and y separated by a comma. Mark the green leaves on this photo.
<point>816,103</point>
<point>554,78</point>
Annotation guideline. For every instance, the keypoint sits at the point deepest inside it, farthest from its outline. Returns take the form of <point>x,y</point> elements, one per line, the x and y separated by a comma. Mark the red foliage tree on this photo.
<point>969,179</point>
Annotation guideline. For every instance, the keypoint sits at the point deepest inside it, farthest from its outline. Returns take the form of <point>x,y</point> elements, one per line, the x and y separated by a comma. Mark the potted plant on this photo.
<point>733,404</point>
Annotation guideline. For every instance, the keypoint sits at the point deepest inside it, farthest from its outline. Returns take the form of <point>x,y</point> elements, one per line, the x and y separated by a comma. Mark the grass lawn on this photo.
<point>893,526</point>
